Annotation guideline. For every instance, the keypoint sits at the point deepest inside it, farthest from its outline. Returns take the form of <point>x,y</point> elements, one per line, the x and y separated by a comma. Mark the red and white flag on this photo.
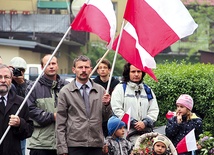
<point>127,118</point>
<point>159,24</point>
<point>97,16</point>
<point>170,114</point>
<point>188,143</point>
<point>138,56</point>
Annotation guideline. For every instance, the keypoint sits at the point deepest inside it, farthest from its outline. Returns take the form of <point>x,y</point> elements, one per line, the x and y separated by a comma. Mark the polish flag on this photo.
<point>170,114</point>
<point>138,56</point>
<point>159,24</point>
<point>188,143</point>
<point>127,118</point>
<point>97,16</point>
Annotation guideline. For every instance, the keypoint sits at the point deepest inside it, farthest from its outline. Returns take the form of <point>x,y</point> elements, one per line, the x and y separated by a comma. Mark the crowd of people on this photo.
<point>80,117</point>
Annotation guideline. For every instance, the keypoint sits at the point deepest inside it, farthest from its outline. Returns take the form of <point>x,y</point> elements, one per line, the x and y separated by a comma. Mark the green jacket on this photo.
<point>42,106</point>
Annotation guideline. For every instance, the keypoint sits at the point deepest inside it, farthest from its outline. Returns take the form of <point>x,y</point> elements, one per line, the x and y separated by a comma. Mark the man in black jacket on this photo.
<point>21,126</point>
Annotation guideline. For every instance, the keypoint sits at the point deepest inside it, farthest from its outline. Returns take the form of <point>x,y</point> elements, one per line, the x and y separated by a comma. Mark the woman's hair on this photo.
<point>126,72</point>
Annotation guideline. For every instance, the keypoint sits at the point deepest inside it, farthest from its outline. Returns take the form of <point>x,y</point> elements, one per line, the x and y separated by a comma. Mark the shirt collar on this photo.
<point>5,97</point>
<point>79,85</point>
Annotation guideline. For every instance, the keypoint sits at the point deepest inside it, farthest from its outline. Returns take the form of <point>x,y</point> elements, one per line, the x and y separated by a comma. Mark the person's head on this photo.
<point>184,104</point>
<point>131,73</point>
<point>115,127</point>
<point>82,67</point>
<point>52,68</point>
<point>104,68</point>
<point>160,144</point>
<point>18,66</point>
<point>5,79</point>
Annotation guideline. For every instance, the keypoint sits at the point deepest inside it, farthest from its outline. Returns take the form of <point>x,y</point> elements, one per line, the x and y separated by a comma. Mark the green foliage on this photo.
<point>204,17</point>
<point>97,50</point>
<point>175,79</point>
<point>207,143</point>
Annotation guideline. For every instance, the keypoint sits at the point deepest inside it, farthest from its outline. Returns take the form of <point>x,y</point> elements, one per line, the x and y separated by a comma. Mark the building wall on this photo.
<point>7,53</point>
<point>20,5</point>
<point>64,58</point>
<point>64,55</point>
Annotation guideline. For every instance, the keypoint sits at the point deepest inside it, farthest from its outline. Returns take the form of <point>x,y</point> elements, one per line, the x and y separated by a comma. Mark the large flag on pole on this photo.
<point>159,24</point>
<point>97,16</point>
<point>188,143</point>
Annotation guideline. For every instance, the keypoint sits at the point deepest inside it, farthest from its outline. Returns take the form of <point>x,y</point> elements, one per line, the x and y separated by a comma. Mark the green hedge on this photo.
<point>196,80</point>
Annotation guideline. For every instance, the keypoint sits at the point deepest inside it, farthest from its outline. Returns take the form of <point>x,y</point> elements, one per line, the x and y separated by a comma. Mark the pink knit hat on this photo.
<point>185,100</point>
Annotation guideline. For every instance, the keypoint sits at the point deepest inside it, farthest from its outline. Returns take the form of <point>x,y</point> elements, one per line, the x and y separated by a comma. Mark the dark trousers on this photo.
<point>85,151</point>
<point>42,152</point>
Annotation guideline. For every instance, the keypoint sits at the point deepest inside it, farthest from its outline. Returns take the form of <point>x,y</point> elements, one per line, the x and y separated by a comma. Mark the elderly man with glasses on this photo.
<point>21,126</point>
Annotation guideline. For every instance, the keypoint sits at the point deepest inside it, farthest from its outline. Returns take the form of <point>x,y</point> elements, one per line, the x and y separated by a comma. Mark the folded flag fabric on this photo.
<point>127,118</point>
<point>155,26</point>
<point>188,143</point>
<point>159,23</point>
<point>97,16</point>
<point>133,52</point>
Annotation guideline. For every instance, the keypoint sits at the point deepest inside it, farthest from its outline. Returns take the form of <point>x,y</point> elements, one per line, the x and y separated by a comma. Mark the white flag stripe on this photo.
<point>191,141</point>
<point>146,58</point>
<point>109,14</point>
<point>174,13</point>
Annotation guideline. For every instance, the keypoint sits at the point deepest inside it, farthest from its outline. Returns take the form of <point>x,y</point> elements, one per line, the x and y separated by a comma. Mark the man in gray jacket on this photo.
<point>79,120</point>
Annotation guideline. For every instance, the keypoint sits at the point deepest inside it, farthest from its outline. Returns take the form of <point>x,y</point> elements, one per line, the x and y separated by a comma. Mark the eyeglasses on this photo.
<point>5,77</point>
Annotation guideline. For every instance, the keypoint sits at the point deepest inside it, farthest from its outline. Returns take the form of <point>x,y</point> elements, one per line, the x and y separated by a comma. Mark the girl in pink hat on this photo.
<point>180,125</point>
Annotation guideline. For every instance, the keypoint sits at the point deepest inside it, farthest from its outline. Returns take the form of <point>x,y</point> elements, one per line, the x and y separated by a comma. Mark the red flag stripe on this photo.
<point>125,118</point>
<point>84,20</point>
<point>97,16</point>
<point>182,146</point>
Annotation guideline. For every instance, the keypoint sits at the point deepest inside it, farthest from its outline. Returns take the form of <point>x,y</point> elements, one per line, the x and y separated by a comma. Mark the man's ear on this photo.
<point>73,70</point>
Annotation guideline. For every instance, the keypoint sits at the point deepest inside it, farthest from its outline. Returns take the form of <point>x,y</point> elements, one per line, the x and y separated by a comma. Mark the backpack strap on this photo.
<point>147,89</point>
<point>148,92</point>
<point>124,87</point>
